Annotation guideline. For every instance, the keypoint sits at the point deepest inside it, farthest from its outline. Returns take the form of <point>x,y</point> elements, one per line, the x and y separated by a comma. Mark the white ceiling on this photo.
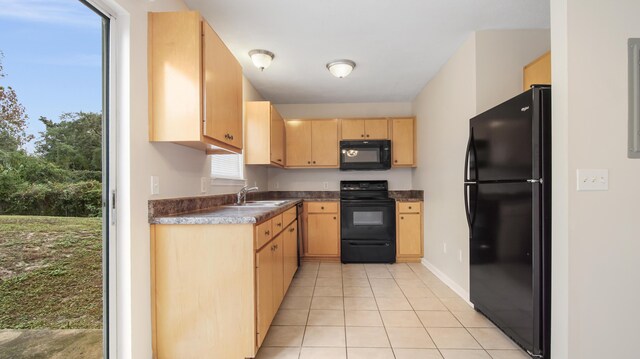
<point>398,45</point>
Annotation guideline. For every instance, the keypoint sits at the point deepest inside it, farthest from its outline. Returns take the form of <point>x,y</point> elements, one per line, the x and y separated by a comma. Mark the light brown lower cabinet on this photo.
<point>216,288</point>
<point>322,229</point>
<point>290,253</point>
<point>275,267</point>
<point>409,231</point>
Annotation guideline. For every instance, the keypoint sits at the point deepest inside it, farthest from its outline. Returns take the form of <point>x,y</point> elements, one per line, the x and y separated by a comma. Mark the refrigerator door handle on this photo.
<point>467,206</point>
<point>467,155</point>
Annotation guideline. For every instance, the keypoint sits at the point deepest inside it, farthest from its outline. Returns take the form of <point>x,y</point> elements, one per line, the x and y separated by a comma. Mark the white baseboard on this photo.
<point>448,281</point>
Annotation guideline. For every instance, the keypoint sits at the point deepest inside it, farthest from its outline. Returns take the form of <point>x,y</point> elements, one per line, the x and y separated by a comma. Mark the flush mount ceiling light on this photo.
<point>341,68</point>
<point>261,58</point>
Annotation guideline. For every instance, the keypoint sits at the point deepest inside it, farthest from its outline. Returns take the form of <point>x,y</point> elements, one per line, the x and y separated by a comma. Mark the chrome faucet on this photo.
<point>242,194</point>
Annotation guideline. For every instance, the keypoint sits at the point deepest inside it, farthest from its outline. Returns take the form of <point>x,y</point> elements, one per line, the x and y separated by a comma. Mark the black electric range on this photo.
<point>367,222</point>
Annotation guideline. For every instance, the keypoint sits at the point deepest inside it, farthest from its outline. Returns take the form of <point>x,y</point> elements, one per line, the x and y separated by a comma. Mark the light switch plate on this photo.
<point>593,179</point>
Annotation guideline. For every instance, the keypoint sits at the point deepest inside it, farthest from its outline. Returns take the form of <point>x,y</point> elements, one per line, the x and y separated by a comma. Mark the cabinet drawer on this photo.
<point>277,224</point>
<point>264,233</point>
<point>322,207</point>
<point>409,207</point>
<point>289,216</point>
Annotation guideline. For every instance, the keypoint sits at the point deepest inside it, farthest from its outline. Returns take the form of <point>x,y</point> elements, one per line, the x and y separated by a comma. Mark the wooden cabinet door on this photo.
<point>277,137</point>
<point>264,291</point>
<point>377,129</point>
<point>324,142</point>
<point>175,66</point>
<point>290,253</point>
<point>322,234</point>
<point>409,234</point>
<point>538,72</point>
<point>402,142</point>
<point>277,261</point>
<point>298,143</point>
<point>352,129</point>
<point>222,91</point>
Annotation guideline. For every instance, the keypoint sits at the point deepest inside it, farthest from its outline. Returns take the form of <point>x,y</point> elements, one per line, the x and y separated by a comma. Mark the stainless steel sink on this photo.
<point>250,204</point>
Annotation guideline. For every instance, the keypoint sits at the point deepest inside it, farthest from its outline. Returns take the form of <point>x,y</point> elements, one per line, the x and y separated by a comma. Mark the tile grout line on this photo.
<point>344,313</point>
<point>304,333</point>
<point>425,328</point>
<point>393,352</point>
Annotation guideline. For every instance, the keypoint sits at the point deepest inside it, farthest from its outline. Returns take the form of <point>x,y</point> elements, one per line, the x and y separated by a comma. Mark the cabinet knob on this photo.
<point>267,232</point>
<point>279,160</point>
<point>395,161</point>
<point>280,224</point>
<point>334,217</point>
<point>401,217</point>
<point>321,207</point>
<point>314,162</point>
<point>308,162</point>
<point>409,207</point>
<point>291,229</point>
<point>367,135</point>
<point>361,135</point>
<point>231,137</point>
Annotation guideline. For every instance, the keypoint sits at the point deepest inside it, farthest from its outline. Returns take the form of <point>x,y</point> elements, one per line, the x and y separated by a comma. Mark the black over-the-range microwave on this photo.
<point>365,155</point>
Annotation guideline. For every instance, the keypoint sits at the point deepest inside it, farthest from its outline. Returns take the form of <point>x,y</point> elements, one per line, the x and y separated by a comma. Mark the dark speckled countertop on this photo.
<point>218,209</point>
<point>226,214</point>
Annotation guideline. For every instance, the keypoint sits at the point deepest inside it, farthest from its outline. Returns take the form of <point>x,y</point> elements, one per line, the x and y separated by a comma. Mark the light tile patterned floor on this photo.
<point>379,311</point>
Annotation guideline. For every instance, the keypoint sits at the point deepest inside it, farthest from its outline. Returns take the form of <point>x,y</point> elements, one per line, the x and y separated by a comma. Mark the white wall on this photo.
<point>500,57</point>
<point>443,109</point>
<point>179,168</point>
<point>601,243</point>
<point>484,72</point>
<point>315,179</point>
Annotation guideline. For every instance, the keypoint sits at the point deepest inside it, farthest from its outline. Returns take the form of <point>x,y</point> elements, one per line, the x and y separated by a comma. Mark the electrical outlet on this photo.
<point>460,255</point>
<point>155,185</point>
<point>593,180</point>
<point>325,185</point>
<point>204,184</point>
<point>444,247</point>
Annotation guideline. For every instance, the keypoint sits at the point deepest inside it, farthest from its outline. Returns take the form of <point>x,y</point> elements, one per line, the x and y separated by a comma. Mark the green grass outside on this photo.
<point>50,272</point>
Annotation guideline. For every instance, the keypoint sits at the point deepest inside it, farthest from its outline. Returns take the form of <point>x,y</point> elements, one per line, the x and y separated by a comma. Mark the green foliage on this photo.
<point>32,186</point>
<point>13,118</point>
<point>74,143</point>
<point>64,177</point>
<point>81,199</point>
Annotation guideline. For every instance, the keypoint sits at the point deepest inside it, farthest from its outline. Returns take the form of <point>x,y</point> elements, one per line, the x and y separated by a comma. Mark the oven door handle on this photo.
<point>369,243</point>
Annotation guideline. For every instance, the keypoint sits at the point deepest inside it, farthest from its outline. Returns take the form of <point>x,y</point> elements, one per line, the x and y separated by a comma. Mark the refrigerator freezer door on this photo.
<point>504,139</point>
<point>502,258</point>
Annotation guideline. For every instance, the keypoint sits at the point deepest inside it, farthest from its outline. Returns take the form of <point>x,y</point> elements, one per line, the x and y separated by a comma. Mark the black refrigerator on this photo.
<point>507,191</point>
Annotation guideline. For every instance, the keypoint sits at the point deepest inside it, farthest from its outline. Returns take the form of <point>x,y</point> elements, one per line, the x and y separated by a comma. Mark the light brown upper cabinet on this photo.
<point>403,142</point>
<point>311,143</point>
<point>364,129</point>
<point>538,72</point>
<point>264,134</point>
<point>195,84</point>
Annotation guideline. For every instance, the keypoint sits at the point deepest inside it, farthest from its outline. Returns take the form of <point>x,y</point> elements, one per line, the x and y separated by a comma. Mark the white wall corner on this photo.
<point>448,281</point>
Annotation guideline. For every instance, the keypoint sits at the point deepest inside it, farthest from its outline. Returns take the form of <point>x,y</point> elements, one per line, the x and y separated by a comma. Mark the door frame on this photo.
<point>109,156</point>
